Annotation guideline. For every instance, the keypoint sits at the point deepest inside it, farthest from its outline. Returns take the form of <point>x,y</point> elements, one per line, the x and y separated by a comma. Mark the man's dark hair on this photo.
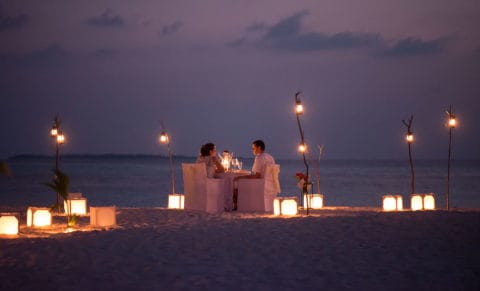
<point>260,144</point>
<point>206,149</point>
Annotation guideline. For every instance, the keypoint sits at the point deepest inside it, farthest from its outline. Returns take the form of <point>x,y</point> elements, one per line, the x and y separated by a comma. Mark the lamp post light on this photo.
<point>302,148</point>
<point>59,138</point>
<point>409,137</point>
<point>165,139</point>
<point>452,122</point>
<point>174,200</point>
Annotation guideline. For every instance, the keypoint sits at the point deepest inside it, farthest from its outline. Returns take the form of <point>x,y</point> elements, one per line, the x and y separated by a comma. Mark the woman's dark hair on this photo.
<point>260,144</point>
<point>206,149</point>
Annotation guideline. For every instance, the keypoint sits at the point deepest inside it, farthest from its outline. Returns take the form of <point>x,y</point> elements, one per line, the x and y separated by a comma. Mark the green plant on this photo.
<point>60,184</point>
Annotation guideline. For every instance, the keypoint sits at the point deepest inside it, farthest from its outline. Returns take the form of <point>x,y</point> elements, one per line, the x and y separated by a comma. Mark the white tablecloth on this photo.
<point>228,190</point>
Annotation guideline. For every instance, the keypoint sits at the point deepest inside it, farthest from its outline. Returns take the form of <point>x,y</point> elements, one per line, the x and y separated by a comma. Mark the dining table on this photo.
<point>228,186</point>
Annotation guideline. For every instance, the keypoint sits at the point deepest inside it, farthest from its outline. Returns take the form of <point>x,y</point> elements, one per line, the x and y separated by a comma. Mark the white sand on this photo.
<point>332,249</point>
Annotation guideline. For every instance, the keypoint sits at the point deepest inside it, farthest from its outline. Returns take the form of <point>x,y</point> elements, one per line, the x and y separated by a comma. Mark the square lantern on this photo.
<point>8,225</point>
<point>77,206</point>
<point>37,216</point>
<point>285,206</point>
<point>103,216</point>
<point>392,202</point>
<point>422,201</point>
<point>176,201</point>
<point>315,201</point>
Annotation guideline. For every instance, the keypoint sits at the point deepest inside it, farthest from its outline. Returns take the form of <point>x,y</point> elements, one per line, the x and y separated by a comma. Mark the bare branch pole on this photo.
<point>409,141</point>
<point>302,137</point>
<point>451,125</point>
<point>317,169</point>
<point>170,157</point>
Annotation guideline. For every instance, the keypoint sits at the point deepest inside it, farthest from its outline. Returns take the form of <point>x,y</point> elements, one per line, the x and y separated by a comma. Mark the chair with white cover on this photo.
<point>201,192</point>
<point>256,195</point>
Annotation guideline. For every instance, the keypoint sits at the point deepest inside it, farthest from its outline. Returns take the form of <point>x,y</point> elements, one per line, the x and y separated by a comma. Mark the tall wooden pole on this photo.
<point>409,141</point>
<point>302,138</point>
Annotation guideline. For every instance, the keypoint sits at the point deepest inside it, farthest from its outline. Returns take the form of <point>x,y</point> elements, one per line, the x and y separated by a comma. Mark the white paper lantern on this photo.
<point>176,201</point>
<point>392,202</point>
<point>8,225</point>
<point>429,202</point>
<point>315,201</point>
<point>285,206</point>
<point>422,201</point>
<point>77,206</point>
<point>103,216</point>
<point>37,216</point>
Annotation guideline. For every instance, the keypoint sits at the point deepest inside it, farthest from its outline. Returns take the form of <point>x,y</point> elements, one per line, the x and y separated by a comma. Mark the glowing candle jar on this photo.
<point>38,216</point>
<point>392,202</point>
<point>315,201</point>
<point>285,206</point>
<point>176,201</point>
<point>8,225</point>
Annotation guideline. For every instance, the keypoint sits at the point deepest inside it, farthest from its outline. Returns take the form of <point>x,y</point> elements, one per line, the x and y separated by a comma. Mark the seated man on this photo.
<point>262,159</point>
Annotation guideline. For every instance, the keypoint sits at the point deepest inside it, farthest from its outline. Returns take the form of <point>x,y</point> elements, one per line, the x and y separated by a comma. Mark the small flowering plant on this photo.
<point>302,182</point>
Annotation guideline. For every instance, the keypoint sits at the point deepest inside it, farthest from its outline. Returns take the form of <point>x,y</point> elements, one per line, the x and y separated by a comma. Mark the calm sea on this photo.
<point>144,181</point>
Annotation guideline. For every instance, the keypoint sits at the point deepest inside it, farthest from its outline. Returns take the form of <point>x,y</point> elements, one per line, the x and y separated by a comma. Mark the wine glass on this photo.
<point>235,163</point>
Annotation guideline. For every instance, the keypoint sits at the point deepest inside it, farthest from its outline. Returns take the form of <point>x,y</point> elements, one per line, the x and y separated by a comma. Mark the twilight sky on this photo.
<point>227,71</point>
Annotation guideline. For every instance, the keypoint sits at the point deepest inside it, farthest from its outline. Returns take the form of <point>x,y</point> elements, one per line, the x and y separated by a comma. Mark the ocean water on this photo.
<point>144,181</point>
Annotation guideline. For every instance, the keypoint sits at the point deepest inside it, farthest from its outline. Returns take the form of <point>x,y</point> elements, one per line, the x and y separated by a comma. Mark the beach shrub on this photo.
<point>60,184</point>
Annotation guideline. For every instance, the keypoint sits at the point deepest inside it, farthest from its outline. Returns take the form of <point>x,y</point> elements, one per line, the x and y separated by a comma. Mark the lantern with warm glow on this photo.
<point>164,138</point>
<point>8,225</point>
<point>315,201</point>
<point>77,206</point>
<point>302,148</point>
<point>37,216</point>
<point>409,137</point>
<point>103,216</point>
<point>298,107</point>
<point>176,201</point>
<point>422,201</point>
<point>285,206</point>
<point>429,202</point>
<point>392,202</point>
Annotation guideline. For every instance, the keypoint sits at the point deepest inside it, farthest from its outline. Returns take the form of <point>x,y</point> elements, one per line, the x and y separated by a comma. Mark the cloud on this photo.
<point>287,35</point>
<point>171,28</point>
<point>14,22</point>
<point>257,27</point>
<point>104,53</point>
<point>53,55</point>
<point>106,19</point>
<point>415,46</point>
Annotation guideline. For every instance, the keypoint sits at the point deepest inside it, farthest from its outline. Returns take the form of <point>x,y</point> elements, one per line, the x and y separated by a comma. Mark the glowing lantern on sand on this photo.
<point>392,202</point>
<point>422,201</point>
<point>176,201</point>
<point>8,225</point>
<point>285,206</point>
<point>38,216</point>
<point>315,201</point>
<point>76,206</point>
<point>103,216</point>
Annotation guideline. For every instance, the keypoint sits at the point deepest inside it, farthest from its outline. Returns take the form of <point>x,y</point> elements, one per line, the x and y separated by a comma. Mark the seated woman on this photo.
<point>208,155</point>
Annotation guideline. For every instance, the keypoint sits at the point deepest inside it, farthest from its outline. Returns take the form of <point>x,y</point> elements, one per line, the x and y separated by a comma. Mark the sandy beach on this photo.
<point>331,249</point>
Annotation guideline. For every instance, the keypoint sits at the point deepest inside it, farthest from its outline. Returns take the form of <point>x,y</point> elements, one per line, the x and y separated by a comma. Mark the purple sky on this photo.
<point>227,72</point>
